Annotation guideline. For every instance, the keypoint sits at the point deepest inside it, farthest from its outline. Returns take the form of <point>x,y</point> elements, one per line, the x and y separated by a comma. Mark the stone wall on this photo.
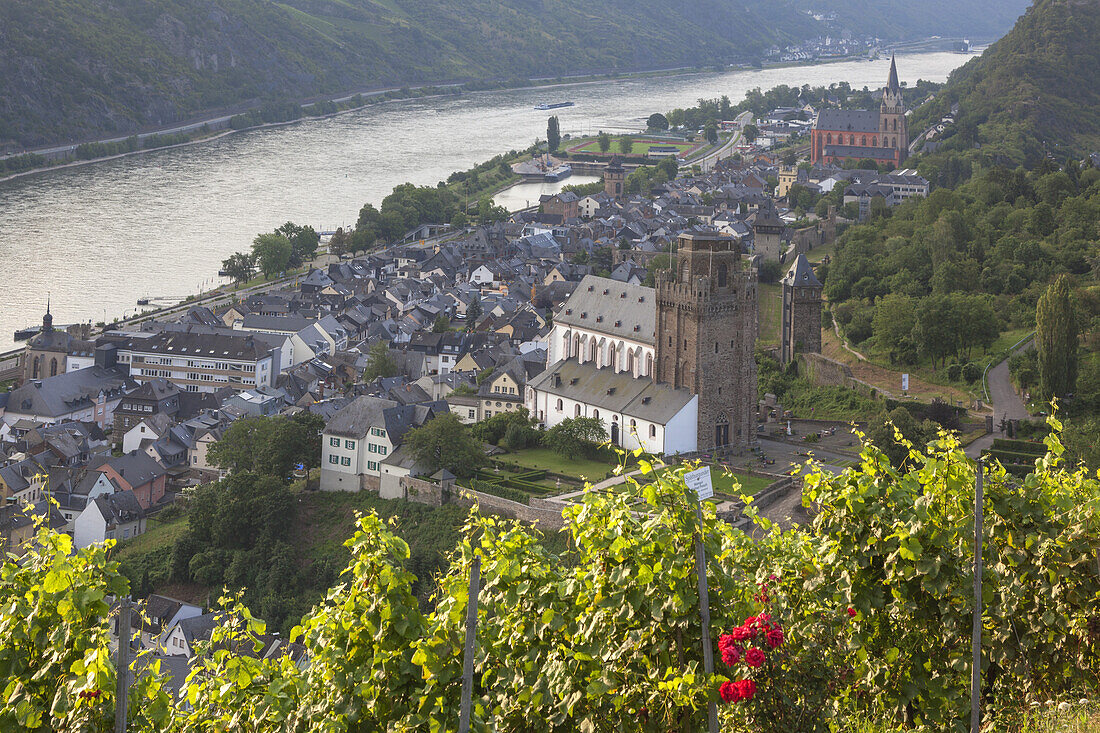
<point>546,513</point>
<point>824,372</point>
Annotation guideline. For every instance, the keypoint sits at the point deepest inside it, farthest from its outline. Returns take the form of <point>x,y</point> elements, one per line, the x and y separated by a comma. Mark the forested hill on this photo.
<point>1036,91</point>
<point>76,69</point>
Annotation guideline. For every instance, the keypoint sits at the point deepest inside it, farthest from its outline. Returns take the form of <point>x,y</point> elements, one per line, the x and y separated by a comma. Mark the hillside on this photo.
<point>79,69</point>
<point>1037,90</point>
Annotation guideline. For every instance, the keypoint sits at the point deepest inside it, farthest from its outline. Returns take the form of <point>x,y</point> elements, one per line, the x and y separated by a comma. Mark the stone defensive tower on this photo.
<point>705,334</point>
<point>614,178</point>
<point>801,311</point>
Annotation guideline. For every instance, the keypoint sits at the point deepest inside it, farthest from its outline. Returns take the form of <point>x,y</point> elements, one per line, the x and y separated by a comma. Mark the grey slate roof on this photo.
<point>801,273</point>
<point>355,420</point>
<point>638,397</point>
<point>847,120</point>
<point>60,395</point>
<point>617,309</point>
<point>136,468</point>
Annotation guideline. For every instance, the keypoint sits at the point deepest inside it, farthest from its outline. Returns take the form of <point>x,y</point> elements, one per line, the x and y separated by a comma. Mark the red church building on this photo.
<point>857,134</point>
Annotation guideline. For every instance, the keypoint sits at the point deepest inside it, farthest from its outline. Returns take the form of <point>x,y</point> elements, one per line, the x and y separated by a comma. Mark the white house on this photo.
<point>116,516</point>
<point>359,437</point>
<point>181,639</point>
<point>150,428</point>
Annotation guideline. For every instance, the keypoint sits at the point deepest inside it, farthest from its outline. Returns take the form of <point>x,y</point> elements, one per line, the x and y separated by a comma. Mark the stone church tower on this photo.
<point>801,311</point>
<point>705,333</point>
<point>895,132</point>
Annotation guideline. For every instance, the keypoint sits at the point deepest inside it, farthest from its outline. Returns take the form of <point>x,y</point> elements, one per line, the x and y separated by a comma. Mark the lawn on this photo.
<point>157,534</point>
<point>750,485</point>
<point>641,146</point>
<point>548,460</point>
<point>770,314</point>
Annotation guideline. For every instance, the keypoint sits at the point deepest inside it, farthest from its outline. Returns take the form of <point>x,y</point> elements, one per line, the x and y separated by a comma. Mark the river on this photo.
<point>95,238</point>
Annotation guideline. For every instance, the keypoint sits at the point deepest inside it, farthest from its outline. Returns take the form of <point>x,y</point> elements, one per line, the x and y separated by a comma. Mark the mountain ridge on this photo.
<point>77,69</point>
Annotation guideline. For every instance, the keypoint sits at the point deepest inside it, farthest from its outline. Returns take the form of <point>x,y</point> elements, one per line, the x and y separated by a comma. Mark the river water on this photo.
<point>95,238</point>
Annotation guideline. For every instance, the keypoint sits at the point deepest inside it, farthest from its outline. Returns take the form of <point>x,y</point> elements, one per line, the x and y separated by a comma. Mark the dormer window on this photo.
<point>584,314</point>
<point>599,319</point>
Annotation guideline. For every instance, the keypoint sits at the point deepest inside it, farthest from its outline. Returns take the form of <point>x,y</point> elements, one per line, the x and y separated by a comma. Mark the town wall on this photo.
<point>547,514</point>
<point>824,372</point>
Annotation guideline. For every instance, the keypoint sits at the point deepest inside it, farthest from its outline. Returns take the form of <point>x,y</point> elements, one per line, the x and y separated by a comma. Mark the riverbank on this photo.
<point>220,126</point>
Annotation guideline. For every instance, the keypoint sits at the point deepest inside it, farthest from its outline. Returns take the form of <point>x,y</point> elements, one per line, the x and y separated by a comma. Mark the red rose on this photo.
<point>741,633</point>
<point>731,655</point>
<point>851,613</point>
<point>775,637</point>
<point>745,689</point>
<point>763,619</point>
<point>754,657</point>
<point>729,692</point>
<point>725,641</point>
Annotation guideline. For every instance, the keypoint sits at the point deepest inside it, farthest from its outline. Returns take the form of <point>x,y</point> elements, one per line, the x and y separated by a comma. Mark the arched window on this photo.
<point>560,405</point>
<point>722,275</point>
<point>649,365</point>
<point>895,124</point>
<point>34,369</point>
<point>851,139</point>
<point>596,414</point>
<point>565,345</point>
<point>53,367</point>
<point>874,142</point>
<point>577,411</point>
<point>630,362</point>
<point>895,142</point>
<point>633,426</point>
<point>576,352</point>
<point>829,139</point>
<point>653,431</point>
<point>863,141</point>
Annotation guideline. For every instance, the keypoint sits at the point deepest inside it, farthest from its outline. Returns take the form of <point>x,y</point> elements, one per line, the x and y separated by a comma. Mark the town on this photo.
<point>527,364</point>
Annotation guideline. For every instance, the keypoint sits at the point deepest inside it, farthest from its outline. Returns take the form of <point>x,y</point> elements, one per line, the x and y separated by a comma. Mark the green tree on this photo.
<point>893,322</point>
<point>442,324</point>
<point>657,121</point>
<point>626,144</point>
<point>574,437</point>
<point>444,442</point>
<point>272,253</point>
<point>339,243</point>
<point>1056,340</point>
<point>750,133</point>
<point>380,363</point>
<point>270,445</point>
<point>553,133</point>
<point>303,242</point>
<point>604,141</point>
<point>710,132</point>
<point>239,266</point>
<point>473,310</point>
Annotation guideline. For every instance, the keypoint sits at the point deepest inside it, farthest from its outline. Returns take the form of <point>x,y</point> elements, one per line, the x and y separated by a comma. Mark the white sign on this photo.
<point>904,382</point>
<point>699,482</point>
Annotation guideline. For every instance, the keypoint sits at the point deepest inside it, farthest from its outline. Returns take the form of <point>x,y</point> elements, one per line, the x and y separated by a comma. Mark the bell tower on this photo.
<point>705,333</point>
<point>892,122</point>
<point>614,178</point>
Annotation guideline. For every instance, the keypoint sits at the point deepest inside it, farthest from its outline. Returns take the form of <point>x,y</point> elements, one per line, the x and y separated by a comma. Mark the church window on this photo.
<point>895,124</point>
<point>596,414</point>
<point>560,404</point>
<point>653,431</point>
<point>851,139</point>
<point>53,367</point>
<point>895,142</point>
<point>863,142</point>
<point>829,139</point>
<point>722,275</point>
<point>34,370</point>
<point>874,142</point>
<point>577,411</point>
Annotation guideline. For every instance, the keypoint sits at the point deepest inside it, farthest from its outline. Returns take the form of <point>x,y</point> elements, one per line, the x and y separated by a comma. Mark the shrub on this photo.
<point>971,372</point>
<point>954,372</point>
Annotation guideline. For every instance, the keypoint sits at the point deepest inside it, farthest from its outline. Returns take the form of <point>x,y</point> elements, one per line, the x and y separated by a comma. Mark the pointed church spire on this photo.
<point>47,320</point>
<point>892,84</point>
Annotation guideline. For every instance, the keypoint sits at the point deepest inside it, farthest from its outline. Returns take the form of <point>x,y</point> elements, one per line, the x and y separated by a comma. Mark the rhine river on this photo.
<point>97,237</point>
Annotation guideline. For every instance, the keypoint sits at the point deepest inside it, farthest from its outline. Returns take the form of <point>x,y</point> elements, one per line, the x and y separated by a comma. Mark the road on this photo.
<point>1006,403</point>
<point>726,151</point>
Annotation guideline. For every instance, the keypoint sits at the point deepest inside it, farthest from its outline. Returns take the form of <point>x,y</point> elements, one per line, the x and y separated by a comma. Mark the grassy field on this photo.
<point>641,146</point>
<point>157,534</point>
<point>770,314</point>
<point>751,485</point>
<point>546,459</point>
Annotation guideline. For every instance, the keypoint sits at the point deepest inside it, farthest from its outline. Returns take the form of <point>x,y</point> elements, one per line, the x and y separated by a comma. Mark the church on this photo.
<point>667,369</point>
<point>857,134</point>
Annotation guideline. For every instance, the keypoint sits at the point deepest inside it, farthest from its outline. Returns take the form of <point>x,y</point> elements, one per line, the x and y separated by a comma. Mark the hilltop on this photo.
<point>1035,91</point>
<point>81,69</point>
